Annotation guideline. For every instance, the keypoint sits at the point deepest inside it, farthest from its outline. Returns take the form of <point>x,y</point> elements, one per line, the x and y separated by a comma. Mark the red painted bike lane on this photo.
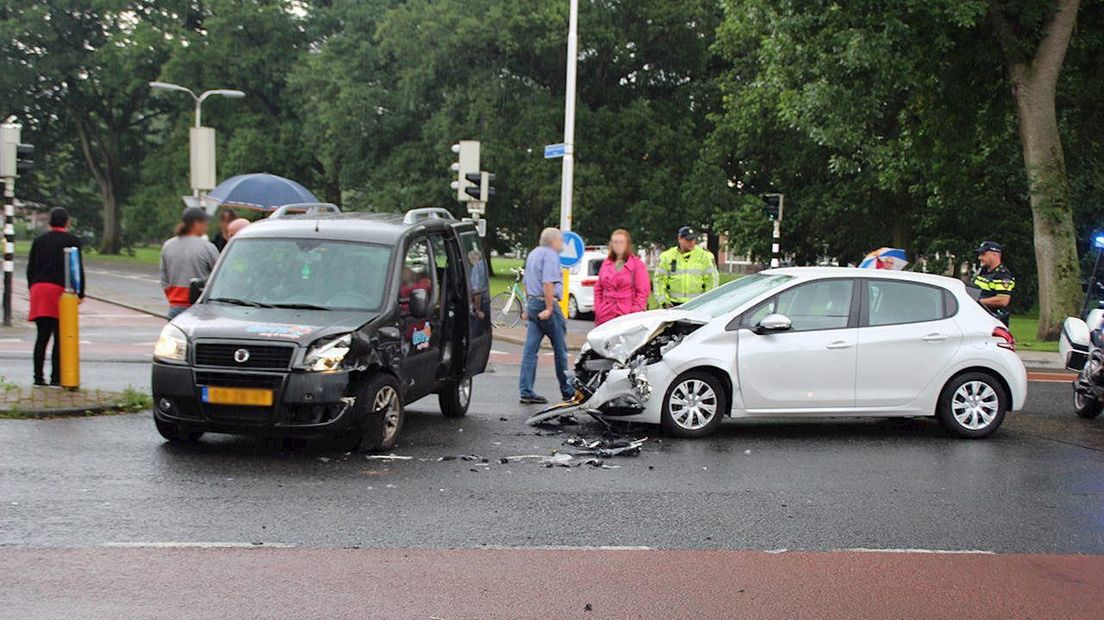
<point>543,583</point>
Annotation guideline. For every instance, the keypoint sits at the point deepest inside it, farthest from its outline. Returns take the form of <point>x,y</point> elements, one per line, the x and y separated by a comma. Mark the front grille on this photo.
<point>227,379</point>
<point>259,355</point>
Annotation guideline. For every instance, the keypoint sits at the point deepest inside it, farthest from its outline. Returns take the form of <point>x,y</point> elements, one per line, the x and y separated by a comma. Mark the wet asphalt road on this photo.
<point>1037,486</point>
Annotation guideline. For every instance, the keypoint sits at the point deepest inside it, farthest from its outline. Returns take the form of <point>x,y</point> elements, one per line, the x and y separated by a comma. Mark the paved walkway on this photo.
<point>160,581</point>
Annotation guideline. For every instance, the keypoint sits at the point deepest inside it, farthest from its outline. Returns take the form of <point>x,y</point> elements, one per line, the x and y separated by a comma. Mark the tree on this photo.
<point>1034,37</point>
<point>92,62</point>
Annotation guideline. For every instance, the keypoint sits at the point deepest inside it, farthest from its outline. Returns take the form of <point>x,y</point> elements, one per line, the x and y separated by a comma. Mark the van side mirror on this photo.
<point>195,289</point>
<point>773,323</point>
<point>419,303</point>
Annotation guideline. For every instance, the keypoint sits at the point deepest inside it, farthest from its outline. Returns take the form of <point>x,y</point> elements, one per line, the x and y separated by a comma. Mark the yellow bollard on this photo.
<point>566,291</point>
<point>69,339</point>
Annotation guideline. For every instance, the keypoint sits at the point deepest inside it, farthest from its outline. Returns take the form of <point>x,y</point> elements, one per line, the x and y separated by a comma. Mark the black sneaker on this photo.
<point>534,400</point>
<point>40,383</point>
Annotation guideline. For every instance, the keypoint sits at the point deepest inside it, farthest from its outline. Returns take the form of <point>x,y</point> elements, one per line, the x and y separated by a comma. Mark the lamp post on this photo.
<point>201,139</point>
<point>569,118</point>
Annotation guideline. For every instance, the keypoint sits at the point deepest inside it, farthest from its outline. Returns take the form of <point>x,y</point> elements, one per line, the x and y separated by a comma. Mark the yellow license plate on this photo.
<point>237,396</point>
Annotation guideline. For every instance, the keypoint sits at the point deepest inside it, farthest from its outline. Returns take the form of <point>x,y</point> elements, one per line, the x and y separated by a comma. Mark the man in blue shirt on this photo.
<point>543,290</point>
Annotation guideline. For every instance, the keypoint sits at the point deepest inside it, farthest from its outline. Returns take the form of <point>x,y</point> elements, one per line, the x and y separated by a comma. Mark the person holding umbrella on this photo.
<point>46,267</point>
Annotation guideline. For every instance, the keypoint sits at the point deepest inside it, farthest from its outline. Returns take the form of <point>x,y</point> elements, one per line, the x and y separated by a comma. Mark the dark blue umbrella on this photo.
<point>260,191</point>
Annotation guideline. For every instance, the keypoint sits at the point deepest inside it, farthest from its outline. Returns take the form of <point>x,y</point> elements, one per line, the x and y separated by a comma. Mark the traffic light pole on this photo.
<point>776,238</point>
<point>9,246</point>
<point>569,119</point>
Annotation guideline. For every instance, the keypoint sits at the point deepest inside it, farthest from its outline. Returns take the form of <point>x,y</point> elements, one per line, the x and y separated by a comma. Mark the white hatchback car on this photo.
<point>806,342</point>
<point>584,275</point>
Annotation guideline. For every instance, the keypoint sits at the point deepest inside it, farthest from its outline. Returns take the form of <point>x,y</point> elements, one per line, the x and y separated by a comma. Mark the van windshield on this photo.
<point>319,274</point>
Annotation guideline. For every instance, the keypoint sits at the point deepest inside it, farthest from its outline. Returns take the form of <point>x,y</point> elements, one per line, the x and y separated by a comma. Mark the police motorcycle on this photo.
<point>1082,343</point>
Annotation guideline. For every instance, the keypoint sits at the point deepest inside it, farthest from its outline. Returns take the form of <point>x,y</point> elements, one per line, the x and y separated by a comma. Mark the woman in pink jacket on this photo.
<point>623,284</point>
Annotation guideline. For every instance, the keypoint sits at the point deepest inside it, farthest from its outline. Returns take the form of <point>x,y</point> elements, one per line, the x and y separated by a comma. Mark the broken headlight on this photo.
<point>621,346</point>
<point>328,354</point>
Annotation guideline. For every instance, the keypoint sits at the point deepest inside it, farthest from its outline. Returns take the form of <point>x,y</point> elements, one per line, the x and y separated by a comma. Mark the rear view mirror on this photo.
<point>419,303</point>
<point>195,289</point>
<point>773,323</point>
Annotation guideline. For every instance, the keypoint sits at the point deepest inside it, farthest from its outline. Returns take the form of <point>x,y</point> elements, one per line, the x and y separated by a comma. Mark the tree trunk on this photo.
<point>1034,83</point>
<point>101,160</point>
<point>1055,239</point>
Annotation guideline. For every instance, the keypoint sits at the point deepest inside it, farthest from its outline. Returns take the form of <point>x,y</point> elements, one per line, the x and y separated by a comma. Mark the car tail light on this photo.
<point>589,282</point>
<point>1004,338</point>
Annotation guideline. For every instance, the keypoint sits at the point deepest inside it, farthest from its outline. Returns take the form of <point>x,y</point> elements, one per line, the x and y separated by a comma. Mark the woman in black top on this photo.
<point>46,277</point>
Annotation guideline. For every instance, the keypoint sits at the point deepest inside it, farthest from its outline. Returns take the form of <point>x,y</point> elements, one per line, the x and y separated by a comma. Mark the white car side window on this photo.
<point>825,304</point>
<point>893,303</point>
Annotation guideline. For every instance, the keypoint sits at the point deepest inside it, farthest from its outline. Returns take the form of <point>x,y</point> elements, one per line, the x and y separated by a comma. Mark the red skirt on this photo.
<point>44,300</point>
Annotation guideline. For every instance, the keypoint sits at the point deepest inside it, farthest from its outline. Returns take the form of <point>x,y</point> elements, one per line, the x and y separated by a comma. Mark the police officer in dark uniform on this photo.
<point>995,280</point>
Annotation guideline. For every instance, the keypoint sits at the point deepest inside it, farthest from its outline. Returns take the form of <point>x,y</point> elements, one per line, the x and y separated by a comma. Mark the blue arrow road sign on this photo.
<point>573,249</point>
<point>552,151</point>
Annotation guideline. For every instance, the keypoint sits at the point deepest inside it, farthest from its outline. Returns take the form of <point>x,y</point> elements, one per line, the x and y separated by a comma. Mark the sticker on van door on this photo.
<point>420,337</point>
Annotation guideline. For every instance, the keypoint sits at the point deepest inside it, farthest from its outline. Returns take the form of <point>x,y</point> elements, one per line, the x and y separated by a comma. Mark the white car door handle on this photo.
<point>935,337</point>
<point>839,344</point>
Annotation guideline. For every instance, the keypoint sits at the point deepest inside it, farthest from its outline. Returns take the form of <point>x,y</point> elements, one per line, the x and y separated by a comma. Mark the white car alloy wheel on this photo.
<point>693,404</point>
<point>387,402</point>
<point>975,405</point>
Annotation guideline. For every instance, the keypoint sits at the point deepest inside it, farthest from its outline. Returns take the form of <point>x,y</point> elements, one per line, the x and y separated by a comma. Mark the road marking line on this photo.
<point>195,545</point>
<point>933,551</point>
<point>569,548</point>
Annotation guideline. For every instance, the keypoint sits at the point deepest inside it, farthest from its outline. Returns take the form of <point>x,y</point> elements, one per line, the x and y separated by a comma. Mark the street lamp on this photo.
<point>201,139</point>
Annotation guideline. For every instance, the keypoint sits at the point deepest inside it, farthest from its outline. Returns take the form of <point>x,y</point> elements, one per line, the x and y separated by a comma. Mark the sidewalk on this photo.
<point>108,332</point>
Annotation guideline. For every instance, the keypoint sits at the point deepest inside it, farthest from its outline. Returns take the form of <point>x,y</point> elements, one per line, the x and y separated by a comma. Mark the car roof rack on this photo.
<point>304,208</point>
<point>414,216</point>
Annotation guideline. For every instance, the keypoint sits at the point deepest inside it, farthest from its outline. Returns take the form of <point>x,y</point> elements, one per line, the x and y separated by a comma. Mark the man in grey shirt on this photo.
<point>186,256</point>
<point>543,290</point>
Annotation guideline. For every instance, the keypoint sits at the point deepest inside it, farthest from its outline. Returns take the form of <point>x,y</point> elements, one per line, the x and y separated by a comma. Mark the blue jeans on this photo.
<point>175,311</point>
<point>555,327</point>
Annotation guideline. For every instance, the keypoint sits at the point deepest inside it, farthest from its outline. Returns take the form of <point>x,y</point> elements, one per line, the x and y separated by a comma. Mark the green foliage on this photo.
<point>883,123</point>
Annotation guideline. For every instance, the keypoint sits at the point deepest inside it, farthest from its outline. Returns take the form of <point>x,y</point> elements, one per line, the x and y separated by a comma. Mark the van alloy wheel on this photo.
<point>387,403</point>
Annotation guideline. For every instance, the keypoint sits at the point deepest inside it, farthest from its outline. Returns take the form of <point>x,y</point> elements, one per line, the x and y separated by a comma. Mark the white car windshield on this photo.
<point>724,299</point>
<point>319,274</point>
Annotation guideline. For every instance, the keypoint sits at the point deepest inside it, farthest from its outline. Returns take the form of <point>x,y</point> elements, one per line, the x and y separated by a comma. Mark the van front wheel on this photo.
<point>454,397</point>
<point>379,411</point>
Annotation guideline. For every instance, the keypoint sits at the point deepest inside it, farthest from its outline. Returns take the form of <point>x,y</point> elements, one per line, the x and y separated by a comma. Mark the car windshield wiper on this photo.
<point>298,306</point>
<point>239,302</point>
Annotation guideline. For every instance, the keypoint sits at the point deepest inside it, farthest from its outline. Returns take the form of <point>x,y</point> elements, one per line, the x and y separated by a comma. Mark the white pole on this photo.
<point>569,118</point>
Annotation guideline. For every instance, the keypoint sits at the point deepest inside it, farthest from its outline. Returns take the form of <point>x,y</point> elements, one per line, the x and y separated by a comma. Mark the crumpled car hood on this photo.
<point>636,330</point>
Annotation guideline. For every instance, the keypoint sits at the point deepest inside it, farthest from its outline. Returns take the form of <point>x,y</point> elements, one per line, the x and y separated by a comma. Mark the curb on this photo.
<point>98,360</point>
<point>521,342</point>
<point>135,308</point>
<point>63,412</point>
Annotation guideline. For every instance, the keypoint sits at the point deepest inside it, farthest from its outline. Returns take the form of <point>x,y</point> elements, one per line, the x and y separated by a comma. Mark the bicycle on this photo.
<point>507,307</point>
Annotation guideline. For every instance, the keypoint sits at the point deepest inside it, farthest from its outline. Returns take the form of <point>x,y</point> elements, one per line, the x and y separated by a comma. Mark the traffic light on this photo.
<point>466,164</point>
<point>16,158</point>
<point>24,159</point>
<point>479,186</point>
<point>773,206</point>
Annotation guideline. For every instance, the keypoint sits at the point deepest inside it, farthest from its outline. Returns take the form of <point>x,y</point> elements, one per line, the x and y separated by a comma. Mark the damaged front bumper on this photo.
<point>605,389</point>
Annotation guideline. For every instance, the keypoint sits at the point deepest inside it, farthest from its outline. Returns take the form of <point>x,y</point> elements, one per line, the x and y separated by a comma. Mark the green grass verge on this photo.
<point>1024,329</point>
<point>141,255</point>
<point>144,255</point>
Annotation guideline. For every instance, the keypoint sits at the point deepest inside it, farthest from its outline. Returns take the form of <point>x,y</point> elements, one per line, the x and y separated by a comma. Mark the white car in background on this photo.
<point>584,275</point>
<point>806,342</point>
